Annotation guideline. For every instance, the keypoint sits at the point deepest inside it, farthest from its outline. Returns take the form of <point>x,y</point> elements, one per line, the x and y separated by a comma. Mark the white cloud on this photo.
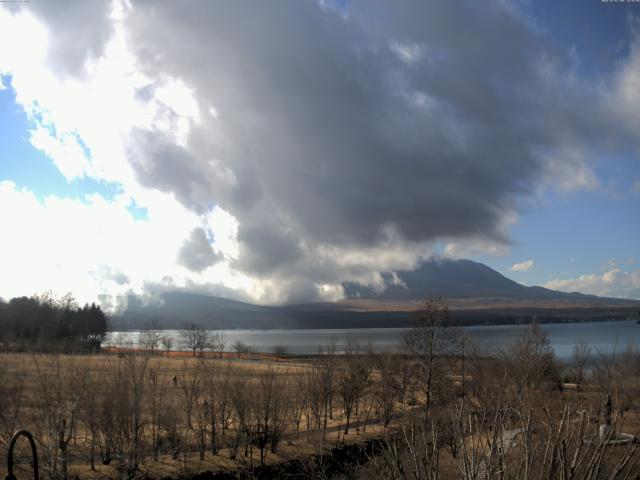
<point>64,150</point>
<point>624,98</point>
<point>473,247</point>
<point>409,53</point>
<point>568,170</point>
<point>613,283</point>
<point>95,247</point>
<point>523,266</point>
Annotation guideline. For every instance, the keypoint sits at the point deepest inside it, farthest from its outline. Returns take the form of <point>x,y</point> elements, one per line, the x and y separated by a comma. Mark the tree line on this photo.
<point>46,323</point>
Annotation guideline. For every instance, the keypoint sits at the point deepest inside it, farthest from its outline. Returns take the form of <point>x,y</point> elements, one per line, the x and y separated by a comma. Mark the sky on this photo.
<point>269,151</point>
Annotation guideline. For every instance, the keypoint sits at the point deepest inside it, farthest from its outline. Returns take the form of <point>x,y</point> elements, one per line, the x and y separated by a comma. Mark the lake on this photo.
<point>603,336</point>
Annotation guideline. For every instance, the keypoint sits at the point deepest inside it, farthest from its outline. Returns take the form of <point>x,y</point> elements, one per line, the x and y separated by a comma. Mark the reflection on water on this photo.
<point>605,337</point>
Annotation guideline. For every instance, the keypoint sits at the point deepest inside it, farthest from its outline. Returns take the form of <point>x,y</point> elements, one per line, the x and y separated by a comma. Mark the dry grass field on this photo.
<point>421,415</point>
<point>101,403</point>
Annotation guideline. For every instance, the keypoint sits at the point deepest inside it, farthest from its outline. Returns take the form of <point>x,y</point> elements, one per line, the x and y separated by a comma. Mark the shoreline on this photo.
<point>408,326</point>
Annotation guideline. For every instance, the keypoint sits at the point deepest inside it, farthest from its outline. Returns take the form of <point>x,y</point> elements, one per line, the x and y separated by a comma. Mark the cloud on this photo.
<point>94,248</point>
<point>522,266</point>
<point>196,253</point>
<point>613,283</point>
<point>337,142</point>
<point>465,248</point>
<point>410,119</point>
<point>66,152</point>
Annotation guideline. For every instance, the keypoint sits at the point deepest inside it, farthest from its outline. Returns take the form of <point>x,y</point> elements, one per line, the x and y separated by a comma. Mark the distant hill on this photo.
<point>173,309</point>
<point>476,293</point>
<point>452,279</point>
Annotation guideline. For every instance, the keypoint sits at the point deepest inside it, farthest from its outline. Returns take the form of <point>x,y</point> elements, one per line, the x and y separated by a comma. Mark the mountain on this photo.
<point>173,309</point>
<point>475,292</point>
<point>452,279</point>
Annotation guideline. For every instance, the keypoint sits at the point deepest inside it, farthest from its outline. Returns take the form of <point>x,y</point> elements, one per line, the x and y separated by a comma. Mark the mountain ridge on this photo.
<point>477,294</point>
<point>452,279</point>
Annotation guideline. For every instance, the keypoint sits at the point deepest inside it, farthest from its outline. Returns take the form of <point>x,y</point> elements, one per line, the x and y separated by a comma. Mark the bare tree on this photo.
<point>12,391</point>
<point>195,338</point>
<point>124,341</point>
<point>190,385</point>
<point>241,348</point>
<point>223,393</point>
<point>129,418</point>
<point>279,350</point>
<point>156,400</point>
<point>387,390</point>
<point>167,343</point>
<point>581,356</point>
<point>202,411</point>
<point>413,453</point>
<point>268,412</point>
<point>352,381</point>
<point>218,342</point>
<point>58,407</point>
<point>299,400</point>
<point>89,415</point>
<point>149,338</point>
<point>529,364</point>
<point>327,382</point>
<point>315,392</point>
<point>425,341</point>
<point>212,387</point>
<point>241,408</point>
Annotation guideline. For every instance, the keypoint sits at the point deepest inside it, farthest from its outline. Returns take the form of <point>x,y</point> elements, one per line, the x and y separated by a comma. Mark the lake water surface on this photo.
<point>606,337</point>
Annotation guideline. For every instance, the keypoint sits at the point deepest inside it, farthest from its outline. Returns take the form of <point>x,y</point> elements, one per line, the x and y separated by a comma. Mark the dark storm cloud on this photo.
<point>264,248</point>
<point>426,119</point>
<point>196,253</point>
<point>160,163</point>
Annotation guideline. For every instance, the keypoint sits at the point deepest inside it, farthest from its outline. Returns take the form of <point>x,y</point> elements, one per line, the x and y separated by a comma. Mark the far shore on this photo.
<point>408,324</point>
